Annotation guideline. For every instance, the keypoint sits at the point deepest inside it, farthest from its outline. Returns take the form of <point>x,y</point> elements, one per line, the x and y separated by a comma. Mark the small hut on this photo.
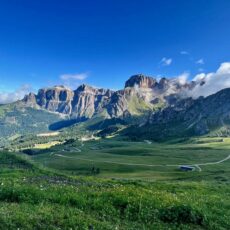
<point>186,168</point>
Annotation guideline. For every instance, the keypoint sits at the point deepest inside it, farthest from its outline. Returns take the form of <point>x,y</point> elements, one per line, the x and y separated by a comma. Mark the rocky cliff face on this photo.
<point>88,101</point>
<point>140,81</point>
<point>56,99</point>
<point>83,102</point>
<point>197,117</point>
<point>141,93</point>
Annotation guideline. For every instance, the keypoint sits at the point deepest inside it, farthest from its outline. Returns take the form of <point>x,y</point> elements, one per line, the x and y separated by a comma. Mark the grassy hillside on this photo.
<point>20,120</point>
<point>34,198</point>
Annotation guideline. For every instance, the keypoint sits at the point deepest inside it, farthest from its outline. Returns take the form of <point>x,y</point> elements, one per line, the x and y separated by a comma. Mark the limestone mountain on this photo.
<point>141,81</point>
<point>141,93</point>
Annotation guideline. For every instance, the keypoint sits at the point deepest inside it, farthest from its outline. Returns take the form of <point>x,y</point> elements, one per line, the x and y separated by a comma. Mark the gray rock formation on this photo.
<point>141,81</point>
<point>88,101</point>
<point>56,99</point>
<point>141,93</point>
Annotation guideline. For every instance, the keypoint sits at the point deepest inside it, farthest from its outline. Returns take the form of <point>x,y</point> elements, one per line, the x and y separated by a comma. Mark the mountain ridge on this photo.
<point>159,108</point>
<point>188,117</point>
<point>86,101</point>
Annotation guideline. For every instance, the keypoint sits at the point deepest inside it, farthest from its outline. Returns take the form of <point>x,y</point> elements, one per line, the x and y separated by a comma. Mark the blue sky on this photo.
<point>103,42</point>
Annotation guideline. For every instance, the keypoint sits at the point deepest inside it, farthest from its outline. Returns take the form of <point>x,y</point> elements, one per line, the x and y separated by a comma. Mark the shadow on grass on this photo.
<point>65,123</point>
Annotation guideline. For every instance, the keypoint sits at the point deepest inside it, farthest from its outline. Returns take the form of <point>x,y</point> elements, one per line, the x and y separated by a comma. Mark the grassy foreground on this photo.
<point>35,198</point>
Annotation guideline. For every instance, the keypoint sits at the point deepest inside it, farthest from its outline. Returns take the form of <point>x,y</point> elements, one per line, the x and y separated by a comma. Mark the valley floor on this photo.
<point>115,184</point>
<point>140,160</point>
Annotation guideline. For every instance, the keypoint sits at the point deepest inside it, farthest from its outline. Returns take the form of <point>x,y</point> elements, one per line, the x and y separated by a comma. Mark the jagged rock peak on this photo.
<point>56,87</point>
<point>90,89</point>
<point>85,87</point>
<point>141,81</point>
<point>30,99</point>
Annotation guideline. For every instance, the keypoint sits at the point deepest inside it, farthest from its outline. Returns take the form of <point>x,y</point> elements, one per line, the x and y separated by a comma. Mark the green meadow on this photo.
<point>117,184</point>
<point>142,160</point>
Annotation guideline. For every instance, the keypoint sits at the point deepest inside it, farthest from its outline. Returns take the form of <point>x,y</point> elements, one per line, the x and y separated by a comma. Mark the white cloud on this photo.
<point>79,76</point>
<point>199,77</point>
<point>73,80</point>
<point>200,61</point>
<point>224,68</point>
<point>18,94</point>
<point>183,52</point>
<point>183,78</point>
<point>214,82</point>
<point>166,61</point>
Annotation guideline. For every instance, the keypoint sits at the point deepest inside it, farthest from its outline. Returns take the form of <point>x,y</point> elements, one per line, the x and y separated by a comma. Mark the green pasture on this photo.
<point>139,160</point>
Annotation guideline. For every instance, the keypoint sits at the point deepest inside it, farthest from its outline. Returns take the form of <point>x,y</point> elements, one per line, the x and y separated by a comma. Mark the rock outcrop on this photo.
<point>56,99</point>
<point>88,101</point>
<point>140,81</point>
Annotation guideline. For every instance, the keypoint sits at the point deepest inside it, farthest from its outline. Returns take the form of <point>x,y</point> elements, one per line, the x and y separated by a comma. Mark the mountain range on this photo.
<point>155,109</point>
<point>140,93</point>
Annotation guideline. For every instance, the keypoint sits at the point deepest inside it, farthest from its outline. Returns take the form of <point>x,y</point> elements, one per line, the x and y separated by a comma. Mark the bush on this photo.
<point>182,214</point>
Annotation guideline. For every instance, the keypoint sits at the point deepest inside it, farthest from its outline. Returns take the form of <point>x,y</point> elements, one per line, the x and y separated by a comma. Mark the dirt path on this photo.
<point>198,167</point>
<point>211,163</point>
<point>217,162</point>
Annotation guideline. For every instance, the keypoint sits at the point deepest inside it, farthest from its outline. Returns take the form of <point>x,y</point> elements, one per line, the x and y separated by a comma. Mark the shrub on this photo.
<point>182,214</point>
